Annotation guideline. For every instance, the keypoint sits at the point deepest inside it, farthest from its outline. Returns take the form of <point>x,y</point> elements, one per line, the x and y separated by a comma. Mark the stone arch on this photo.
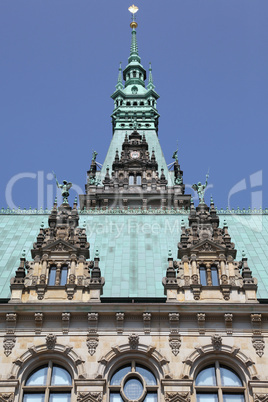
<point>61,353</point>
<point>204,354</point>
<point>118,355</point>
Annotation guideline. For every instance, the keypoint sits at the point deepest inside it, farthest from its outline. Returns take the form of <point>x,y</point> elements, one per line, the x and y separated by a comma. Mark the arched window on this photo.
<point>133,382</point>
<point>218,383</point>
<point>49,383</point>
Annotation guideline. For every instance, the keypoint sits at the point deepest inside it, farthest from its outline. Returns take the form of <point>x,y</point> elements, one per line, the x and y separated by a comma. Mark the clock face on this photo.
<point>135,154</point>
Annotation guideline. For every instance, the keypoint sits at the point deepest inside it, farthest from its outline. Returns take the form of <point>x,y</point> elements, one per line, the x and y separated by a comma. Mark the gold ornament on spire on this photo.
<point>133,9</point>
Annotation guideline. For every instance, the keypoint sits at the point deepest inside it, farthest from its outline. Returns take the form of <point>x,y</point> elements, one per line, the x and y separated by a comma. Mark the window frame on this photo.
<point>214,273</point>
<point>220,389</point>
<point>53,267</point>
<point>132,374</point>
<point>46,389</point>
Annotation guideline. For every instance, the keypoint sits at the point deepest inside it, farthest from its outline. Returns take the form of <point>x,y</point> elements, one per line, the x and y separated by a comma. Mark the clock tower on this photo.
<point>135,174</point>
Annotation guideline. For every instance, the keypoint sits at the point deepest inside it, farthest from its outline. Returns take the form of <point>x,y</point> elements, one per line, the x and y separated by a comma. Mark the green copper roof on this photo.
<point>134,248</point>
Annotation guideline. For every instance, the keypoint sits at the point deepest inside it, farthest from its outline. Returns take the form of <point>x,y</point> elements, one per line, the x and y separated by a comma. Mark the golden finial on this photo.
<point>133,9</point>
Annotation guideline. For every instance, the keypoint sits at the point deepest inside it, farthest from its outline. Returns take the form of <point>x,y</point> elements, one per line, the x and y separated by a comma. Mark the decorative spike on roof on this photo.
<point>150,84</point>
<point>119,84</point>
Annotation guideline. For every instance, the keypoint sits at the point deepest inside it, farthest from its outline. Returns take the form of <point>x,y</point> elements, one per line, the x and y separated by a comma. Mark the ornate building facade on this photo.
<point>139,295</point>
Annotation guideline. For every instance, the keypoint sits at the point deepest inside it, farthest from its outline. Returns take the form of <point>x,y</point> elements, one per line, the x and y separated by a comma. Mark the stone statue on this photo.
<point>175,155</point>
<point>64,188</point>
<point>94,155</point>
<point>178,180</point>
<point>200,188</point>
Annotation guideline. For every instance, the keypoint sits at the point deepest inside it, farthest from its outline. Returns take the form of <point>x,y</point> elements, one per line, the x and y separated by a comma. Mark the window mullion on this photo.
<point>218,374</point>
<point>49,373</point>
<point>47,395</point>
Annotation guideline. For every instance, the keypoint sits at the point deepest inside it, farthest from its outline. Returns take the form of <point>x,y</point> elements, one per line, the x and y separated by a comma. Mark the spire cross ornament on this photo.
<point>133,9</point>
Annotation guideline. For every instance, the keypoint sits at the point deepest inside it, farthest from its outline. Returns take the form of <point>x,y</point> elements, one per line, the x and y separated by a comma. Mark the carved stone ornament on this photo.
<point>133,340</point>
<point>92,344</point>
<point>259,346</point>
<point>11,317</point>
<point>9,344</point>
<point>7,397</point>
<point>51,340</point>
<point>260,397</point>
<point>38,316</point>
<point>216,341</point>
<point>65,316</point>
<point>174,316</point>
<point>175,345</point>
<point>201,317</point>
<point>146,316</point>
<point>89,397</point>
<point>177,397</point>
<point>228,317</point>
<point>120,316</point>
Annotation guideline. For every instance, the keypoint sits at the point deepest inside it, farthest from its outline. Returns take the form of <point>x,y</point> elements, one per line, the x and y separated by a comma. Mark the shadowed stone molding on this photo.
<point>11,321</point>
<point>260,397</point>
<point>89,397</point>
<point>207,351</point>
<point>9,343</point>
<point>216,341</point>
<point>51,340</point>
<point>7,397</point>
<point>259,345</point>
<point>256,320</point>
<point>228,317</point>
<point>201,319</point>
<point>118,353</point>
<point>177,397</point>
<point>120,322</point>
<point>174,322</point>
<point>133,341</point>
<point>93,319</point>
<point>175,344</point>
<point>38,317</point>
<point>92,344</point>
<point>37,352</point>
<point>65,318</point>
<point>147,322</point>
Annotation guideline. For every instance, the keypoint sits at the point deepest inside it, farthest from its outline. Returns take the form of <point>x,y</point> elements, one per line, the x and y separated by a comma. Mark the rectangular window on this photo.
<point>52,276</point>
<point>203,276</point>
<point>131,180</point>
<point>207,397</point>
<point>63,277</point>
<point>214,276</point>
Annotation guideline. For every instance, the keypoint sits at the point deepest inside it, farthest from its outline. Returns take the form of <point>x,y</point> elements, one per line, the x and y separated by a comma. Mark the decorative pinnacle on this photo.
<point>150,84</point>
<point>119,84</point>
<point>243,254</point>
<point>23,254</point>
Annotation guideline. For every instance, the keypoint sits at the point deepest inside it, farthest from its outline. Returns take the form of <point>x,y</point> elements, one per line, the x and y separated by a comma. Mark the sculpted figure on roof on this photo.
<point>64,188</point>
<point>200,188</point>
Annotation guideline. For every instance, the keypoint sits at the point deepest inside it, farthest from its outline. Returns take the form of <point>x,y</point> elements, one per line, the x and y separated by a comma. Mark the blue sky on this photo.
<point>59,65</point>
